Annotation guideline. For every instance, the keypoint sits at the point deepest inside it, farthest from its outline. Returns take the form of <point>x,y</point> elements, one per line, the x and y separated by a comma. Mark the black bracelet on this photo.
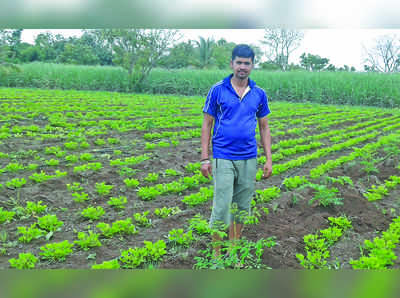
<point>204,159</point>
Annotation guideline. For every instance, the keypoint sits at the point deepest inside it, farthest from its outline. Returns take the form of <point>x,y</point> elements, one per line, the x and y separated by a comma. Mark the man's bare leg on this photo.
<point>235,231</point>
<point>216,244</point>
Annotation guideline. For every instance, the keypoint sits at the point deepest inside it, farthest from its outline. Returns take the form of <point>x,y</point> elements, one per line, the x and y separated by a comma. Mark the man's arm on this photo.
<point>205,143</point>
<point>265,135</point>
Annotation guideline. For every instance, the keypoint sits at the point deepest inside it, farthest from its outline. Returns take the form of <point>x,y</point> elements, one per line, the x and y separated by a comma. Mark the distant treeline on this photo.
<point>372,89</point>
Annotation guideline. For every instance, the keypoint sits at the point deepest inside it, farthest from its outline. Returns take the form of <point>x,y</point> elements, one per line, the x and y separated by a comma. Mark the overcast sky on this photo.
<point>340,46</point>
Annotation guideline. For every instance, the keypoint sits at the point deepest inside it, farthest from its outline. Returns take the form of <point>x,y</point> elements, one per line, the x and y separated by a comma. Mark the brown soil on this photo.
<point>288,221</point>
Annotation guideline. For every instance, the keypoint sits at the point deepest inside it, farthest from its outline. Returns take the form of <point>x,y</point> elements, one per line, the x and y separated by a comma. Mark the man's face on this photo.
<point>241,67</point>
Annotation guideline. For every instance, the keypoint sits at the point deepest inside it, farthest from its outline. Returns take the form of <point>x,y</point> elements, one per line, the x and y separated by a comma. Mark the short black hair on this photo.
<point>244,51</point>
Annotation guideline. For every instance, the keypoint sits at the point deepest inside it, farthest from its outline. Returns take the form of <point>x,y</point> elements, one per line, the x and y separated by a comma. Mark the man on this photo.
<point>234,104</point>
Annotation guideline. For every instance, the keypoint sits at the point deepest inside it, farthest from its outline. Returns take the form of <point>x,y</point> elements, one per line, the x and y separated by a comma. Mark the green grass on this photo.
<point>373,89</point>
<point>59,76</point>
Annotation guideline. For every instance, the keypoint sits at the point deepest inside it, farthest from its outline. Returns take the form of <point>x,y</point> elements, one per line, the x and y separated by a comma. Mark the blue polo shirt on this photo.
<point>234,135</point>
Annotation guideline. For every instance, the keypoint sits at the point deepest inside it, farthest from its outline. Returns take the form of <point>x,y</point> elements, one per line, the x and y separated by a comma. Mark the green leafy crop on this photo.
<point>103,188</point>
<point>151,177</point>
<point>6,216</point>
<point>87,241</point>
<point>28,234</point>
<point>71,145</point>
<point>324,195</point>
<point>165,212</point>
<point>86,157</point>
<point>16,183</point>
<point>151,252</point>
<point>56,252</point>
<point>268,194</point>
<point>204,195</point>
<point>148,193</point>
<point>93,213</point>
<point>52,162</point>
<point>24,261</point>
<point>131,182</point>
<point>120,227</point>
<point>76,186</point>
<point>80,197</point>
<point>294,182</point>
<point>141,219</point>
<point>49,222</point>
<point>199,224</point>
<point>118,203</point>
<point>178,237</point>
<point>243,254</point>
<point>40,177</point>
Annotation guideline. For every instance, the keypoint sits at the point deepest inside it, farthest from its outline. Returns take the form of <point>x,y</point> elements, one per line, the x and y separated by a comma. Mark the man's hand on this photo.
<point>206,169</point>
<point>267,169</point>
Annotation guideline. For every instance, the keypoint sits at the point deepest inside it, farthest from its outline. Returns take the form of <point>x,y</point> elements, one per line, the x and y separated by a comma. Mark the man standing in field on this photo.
<point>233,105</point>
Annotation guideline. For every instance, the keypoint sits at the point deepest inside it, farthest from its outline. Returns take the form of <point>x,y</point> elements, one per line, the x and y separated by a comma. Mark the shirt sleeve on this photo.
<point>263,108</point>
<point>210,106</point>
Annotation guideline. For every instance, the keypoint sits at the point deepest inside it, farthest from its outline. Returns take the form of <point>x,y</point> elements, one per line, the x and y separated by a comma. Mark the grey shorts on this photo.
<point>234,183</point>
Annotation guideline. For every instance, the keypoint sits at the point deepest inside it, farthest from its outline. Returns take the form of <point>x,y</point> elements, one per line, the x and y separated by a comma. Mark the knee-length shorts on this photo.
<point>234,183</point>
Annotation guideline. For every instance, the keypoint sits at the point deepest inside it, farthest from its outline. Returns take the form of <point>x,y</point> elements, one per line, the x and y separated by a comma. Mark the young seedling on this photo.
<point>56,252</point>
<point>86,157</point>
<point>165,212</point>
<point>117,203</point>
<point>142,220</point>
<point>151,177</point>
<point>71,145</point>
<point>16,183</point>
<point>24,261</point>
<point>100,142</point>
<point>6,216</point>
<point>33,208</point>
<point>93,213</point>
<point>199,224</point>
<point>131,183</point>
<point>179,238</point>
<point>103,189</point>
<point>52,162</point>
<point>71,159</point>
<point>29,234</point>
<point>80,197</point>
<point>76,186</point>
<point>49,222</point>
<point>87,241</point>
<point>118,227</point>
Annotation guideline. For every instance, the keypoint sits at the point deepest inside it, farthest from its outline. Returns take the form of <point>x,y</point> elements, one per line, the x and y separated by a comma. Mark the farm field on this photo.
<point>111,180</point>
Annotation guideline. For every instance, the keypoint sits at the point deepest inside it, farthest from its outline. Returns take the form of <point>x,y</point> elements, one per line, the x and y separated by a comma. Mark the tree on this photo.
<point>204,52</point>
<point>77,51</point>
<point>179,56</point>
<point>8,41</point>
<point>138,50</point>
<point>95,40</point>
<point>28,53</point>
<point>50,46</point>
<point>313,62</point>
<point>222,53</point>
<point>270,66</point>
<point>346,68</point>
<point>331,67</point>
<point>280,44</point>
<point>384,56</point>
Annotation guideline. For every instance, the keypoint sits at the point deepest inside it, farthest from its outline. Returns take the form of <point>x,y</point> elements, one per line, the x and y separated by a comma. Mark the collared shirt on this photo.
<point>234,133</point>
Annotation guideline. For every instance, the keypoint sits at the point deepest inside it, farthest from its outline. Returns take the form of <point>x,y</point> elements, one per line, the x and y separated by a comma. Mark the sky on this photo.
<point>340,46</point>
